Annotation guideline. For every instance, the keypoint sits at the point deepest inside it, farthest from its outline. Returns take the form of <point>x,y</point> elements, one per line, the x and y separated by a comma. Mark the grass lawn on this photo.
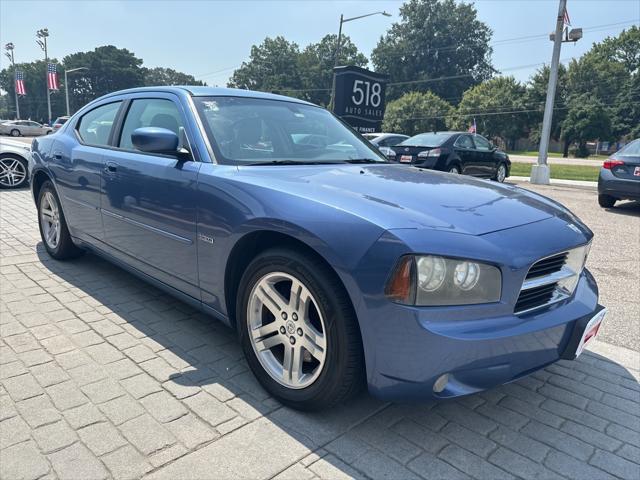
<point>566,172</point>
<point>534,153</point>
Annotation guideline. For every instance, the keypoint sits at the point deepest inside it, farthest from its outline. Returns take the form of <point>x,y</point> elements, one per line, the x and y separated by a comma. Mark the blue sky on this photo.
<point>209,38</point>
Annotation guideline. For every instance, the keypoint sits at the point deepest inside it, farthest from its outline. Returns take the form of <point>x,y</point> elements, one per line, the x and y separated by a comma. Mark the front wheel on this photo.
<point>501,173</point>
<point>15,132</point>
<point>298,330</point>
<point>13,171</point>
<point>455,170</point>
<point>53,225</point>
<point>606,201</point>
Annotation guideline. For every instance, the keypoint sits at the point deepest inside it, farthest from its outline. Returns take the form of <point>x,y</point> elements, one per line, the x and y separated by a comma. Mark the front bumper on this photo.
<point>617,187</point>
<point>476,354</point>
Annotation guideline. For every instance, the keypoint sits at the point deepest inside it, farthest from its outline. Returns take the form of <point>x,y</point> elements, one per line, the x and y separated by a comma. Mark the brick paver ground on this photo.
<point>104,376</point>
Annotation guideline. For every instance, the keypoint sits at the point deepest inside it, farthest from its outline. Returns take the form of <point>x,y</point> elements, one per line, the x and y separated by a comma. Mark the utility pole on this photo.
<point>540,171</point>
<point>42,35</point>
<point>9,54</point>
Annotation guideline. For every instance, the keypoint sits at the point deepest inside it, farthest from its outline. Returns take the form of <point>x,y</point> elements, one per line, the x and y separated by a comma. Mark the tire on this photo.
<point>606,201</point>
<point>13,171</point>
<point>59,245</point>
<point>454,169</point>
<point>328,376</point>
<point>501,173</point>
<point>15,132</point>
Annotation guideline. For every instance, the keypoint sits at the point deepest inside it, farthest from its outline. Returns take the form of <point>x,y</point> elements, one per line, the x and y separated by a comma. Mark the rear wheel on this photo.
<point>53,225</point>
<point>15,132</point>
<point>298,330</point>
<point>606,201</point>
<point>455,170</point>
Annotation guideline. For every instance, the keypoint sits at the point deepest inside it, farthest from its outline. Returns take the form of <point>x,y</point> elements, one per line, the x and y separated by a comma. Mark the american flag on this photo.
<point>20,90</point>
<point>473,128</point>
<point>52,77</point>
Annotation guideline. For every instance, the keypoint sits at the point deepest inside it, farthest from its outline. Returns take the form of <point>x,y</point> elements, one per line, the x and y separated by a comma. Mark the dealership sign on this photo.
<point>359,97</point>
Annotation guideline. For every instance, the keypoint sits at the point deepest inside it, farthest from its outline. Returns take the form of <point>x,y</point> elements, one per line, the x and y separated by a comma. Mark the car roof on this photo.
<point>210,92</point>
<point>440,133</point>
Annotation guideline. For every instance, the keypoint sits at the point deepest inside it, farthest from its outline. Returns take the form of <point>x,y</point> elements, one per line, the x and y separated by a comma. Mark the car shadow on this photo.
<point>630,207</point>
<point>364,436</point>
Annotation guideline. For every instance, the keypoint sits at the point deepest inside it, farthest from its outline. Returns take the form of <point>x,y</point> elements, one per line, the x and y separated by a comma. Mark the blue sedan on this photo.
<point>336,267</point>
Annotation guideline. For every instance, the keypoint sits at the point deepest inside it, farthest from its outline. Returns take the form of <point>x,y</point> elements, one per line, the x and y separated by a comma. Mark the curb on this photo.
<point>558,181</point>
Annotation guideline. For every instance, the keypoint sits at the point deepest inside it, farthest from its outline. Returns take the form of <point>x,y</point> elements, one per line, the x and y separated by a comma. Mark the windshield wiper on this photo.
<point>364,160</point>
<point>292,162</point>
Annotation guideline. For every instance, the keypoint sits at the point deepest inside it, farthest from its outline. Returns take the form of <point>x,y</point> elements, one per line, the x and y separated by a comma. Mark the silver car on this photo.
<point>14,163</point>
<point>25,128</point>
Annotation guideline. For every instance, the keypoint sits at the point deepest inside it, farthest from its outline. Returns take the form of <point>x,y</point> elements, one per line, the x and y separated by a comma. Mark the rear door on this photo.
<point>485,161</point>
<point>149,201</point>
<point>465,150</point>
<point>78,161</point>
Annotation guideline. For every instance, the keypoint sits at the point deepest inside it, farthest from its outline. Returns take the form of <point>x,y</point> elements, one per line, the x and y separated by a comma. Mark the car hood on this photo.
<point>395,196</point>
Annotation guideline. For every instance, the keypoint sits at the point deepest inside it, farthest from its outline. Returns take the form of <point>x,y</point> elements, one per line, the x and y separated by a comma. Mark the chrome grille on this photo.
<point>540,287</point>
<point>547,266</point>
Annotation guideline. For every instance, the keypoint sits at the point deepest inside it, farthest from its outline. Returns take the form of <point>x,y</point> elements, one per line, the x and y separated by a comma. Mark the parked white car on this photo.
<point>17,128</point>
<point>14,163</point>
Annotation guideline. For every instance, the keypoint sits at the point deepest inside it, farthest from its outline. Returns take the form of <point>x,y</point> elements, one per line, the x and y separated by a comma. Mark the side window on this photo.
<point>464,141</point>
<point>95,126</point>
<point>482,143</point>
<point>150,112</point>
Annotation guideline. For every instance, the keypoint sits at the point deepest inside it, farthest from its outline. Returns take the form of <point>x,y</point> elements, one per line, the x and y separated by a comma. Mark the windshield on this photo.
<point>252,130</point>
<point>427,140</point>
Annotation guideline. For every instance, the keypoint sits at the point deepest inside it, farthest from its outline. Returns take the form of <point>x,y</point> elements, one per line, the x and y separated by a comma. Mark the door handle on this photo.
<point>111,167</point>
<point>57,155</point>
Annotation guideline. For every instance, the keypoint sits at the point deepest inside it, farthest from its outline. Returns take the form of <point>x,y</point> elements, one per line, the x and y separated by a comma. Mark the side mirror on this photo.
<point>155,140</point>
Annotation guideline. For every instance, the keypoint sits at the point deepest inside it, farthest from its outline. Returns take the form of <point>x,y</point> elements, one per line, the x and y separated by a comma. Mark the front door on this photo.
<point>149,202</point>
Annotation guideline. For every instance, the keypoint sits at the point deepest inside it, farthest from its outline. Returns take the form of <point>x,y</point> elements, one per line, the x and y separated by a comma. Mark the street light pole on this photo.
<point>42,35</point>
<point>336,56</point>
<point>9,53</point>
<point>66,85</point>
<point>540,172</point>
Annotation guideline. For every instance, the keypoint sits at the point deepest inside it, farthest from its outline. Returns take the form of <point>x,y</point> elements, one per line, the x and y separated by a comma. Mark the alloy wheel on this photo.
<point>454,170</point>
<point>12,172</point>
<point>286,330</point>
<point>15,132</point>
<point>50,220</point>
<point>501,174</point>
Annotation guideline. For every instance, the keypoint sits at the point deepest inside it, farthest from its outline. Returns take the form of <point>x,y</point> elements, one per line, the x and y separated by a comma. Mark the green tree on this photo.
<point>435,39</point>
<point>416,112</point>
<point>272,67</point>
<point>587,119</point>
<point>167,76</point>
<point>316,63</point>
<point>496,105</point>
<point>109,69</point>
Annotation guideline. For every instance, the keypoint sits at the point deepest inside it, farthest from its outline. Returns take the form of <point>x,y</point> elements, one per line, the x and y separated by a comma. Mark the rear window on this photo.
<point>630,150</point>
<point>427,140</point>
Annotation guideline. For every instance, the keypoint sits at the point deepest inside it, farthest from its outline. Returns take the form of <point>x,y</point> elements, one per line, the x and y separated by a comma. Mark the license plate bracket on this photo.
<point>406,158</point>
<point>636,172</point>
<point>585,330</point>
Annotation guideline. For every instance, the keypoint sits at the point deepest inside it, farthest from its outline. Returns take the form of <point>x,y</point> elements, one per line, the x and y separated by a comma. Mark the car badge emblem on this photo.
<point>406,149</point>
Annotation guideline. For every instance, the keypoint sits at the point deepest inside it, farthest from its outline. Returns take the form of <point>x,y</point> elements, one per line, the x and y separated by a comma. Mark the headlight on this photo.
<point>429,280</point>
<point>574,264</point>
